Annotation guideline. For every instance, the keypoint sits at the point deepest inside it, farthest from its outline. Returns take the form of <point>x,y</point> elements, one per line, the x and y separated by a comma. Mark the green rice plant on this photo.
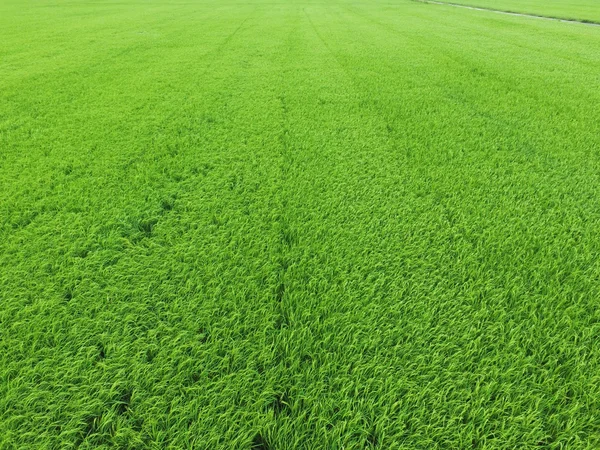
<point>298,225</point>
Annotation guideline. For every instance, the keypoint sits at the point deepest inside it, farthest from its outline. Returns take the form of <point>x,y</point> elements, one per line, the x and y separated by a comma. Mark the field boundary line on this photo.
<point>511,13</point>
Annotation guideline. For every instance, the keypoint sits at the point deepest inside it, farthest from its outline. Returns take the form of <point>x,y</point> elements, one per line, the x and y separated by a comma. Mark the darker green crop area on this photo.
<point>281,225</point>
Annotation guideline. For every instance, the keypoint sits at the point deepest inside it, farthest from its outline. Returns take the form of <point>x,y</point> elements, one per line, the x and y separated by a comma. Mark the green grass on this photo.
<point>297,225</point>
<point>584,10</point>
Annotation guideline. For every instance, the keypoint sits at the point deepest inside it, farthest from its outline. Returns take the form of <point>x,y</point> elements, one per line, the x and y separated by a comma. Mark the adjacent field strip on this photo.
<point>535,16</point>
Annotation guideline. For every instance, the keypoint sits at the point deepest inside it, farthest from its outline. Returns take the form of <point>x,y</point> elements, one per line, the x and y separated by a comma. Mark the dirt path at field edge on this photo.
<point>511,13</point>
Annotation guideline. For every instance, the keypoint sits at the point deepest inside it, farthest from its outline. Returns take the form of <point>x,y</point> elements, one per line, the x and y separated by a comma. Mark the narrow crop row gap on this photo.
<point>286,240</point>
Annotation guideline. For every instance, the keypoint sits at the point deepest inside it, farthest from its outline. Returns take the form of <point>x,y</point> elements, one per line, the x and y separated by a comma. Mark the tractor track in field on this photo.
<point>511,13</point>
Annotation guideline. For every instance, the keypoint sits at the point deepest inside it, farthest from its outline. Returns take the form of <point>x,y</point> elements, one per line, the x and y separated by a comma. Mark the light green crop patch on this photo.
<point>297,225</point>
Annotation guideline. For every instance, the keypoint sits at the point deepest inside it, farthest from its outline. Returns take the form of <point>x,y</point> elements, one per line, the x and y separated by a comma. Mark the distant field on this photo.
<point>586,10</point>
<point>298,225</point>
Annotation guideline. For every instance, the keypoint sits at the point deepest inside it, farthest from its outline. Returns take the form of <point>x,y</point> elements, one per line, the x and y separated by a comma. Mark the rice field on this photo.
<point>298,225</point>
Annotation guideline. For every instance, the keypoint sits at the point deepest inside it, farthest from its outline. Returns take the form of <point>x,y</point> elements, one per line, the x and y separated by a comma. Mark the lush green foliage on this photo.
<point>297,225</point>
<point>584,10</point>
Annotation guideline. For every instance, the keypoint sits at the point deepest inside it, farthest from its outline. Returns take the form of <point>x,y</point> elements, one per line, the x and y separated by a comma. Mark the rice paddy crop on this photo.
<point>297,225</point>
